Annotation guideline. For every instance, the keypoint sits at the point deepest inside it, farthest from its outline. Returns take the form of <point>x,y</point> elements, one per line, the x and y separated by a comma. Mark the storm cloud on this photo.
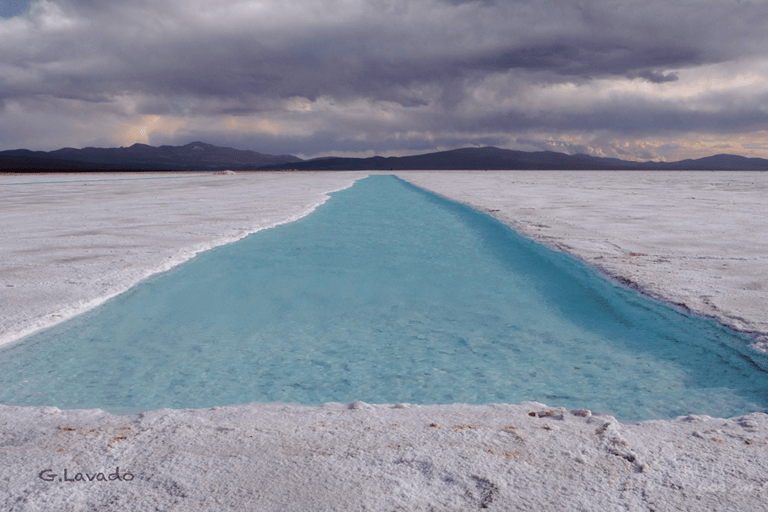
<point>387,77</point>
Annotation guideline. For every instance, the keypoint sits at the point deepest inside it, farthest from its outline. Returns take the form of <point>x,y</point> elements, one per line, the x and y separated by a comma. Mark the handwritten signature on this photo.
<point>49,476</point>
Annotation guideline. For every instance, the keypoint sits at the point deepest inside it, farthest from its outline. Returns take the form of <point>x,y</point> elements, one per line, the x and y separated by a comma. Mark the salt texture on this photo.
<point>695,239</point>
<point>379,457</point>
<point>68,243</point>
<point>685,237</point>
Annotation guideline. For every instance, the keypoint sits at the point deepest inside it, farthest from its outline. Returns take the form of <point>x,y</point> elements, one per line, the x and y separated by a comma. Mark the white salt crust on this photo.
<point>697,239</point>
<point>67,247</point>
<point>380,458</point>
<point>681,236</point>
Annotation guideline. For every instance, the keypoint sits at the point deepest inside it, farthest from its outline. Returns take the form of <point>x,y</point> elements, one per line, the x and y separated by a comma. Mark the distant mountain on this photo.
<point>198,156</point>
<point>195,156</point>
<point>721,162</point>
<point>490,158</point>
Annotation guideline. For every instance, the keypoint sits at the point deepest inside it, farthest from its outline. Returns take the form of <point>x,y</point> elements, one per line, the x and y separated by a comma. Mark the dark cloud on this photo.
<point>657,77</point>
<point>168,47</point>
<point>237,58</point>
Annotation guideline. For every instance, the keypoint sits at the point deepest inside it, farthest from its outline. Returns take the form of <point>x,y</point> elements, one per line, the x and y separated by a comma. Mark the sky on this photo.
<point>630,79</point>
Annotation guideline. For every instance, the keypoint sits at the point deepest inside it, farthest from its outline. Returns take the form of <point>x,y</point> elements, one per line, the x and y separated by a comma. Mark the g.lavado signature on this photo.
<point>49,476</point>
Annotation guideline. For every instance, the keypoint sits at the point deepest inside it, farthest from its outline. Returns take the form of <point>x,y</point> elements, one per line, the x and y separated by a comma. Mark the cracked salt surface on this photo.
<point>379,457</point>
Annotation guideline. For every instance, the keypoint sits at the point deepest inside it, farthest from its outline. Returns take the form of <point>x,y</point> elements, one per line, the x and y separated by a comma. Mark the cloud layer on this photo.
<point>641,80</point>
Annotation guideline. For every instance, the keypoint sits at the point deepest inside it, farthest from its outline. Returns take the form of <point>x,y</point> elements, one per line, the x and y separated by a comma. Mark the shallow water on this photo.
<point>386,294</point>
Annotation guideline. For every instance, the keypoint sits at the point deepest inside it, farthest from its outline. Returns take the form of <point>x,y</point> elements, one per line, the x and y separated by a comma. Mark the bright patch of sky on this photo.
<point>9,8</point>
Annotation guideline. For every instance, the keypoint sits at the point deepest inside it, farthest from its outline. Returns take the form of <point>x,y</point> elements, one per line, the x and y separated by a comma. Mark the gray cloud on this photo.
<point>657,77</point>
<point>188,58</point>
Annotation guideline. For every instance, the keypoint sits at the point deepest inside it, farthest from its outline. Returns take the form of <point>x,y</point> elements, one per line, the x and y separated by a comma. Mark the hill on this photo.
<point>198,156</point>
<point>195,156</point>
<point>491,158</point>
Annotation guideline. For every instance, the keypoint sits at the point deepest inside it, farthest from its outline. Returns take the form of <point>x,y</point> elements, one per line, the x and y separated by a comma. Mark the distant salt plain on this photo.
<point>71,242</point>
<point>688,238</point>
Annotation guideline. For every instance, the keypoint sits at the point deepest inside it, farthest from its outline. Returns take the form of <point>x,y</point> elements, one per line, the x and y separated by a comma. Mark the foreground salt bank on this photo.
<point>382,457</point>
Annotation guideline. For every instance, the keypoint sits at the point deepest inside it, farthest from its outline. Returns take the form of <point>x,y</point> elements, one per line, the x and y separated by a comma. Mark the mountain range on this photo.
<point>198,156</point>
<point>195,156</point>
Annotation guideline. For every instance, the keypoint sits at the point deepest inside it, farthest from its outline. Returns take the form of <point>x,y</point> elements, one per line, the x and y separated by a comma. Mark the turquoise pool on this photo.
<point>387,293</point>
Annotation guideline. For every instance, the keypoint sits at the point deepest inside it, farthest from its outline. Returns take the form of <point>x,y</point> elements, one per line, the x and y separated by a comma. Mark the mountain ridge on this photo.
<point>195,156</point>
<point>200,156</point>
<point>493,158</point>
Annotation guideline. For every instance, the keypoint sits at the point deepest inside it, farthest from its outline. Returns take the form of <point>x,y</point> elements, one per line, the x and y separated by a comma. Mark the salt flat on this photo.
<point>68,243</point>
<point>362,457</point>
<point>697,239</point>
<point>692,238</point>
